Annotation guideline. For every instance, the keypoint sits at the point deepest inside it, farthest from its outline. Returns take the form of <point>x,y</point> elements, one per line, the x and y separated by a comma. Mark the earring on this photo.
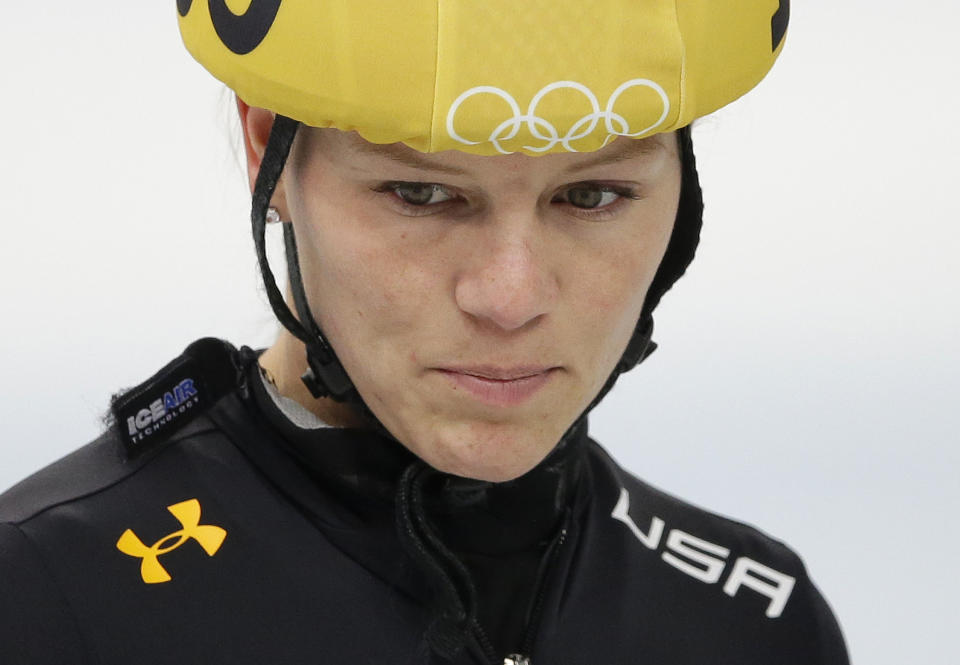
<point>273,216</point>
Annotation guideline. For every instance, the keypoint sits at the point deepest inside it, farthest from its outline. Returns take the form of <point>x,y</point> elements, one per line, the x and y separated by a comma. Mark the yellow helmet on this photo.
<point>488,76</point>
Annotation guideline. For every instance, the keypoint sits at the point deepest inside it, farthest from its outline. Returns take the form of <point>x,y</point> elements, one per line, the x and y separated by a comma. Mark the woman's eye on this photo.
<point>420,193</point>
<point>589,198</point>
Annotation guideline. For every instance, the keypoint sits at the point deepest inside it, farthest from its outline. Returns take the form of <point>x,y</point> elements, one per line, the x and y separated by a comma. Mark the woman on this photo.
<point>480,218</point>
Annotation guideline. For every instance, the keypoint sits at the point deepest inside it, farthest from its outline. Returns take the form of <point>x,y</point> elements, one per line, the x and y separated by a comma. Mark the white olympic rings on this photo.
<point>615,124</point>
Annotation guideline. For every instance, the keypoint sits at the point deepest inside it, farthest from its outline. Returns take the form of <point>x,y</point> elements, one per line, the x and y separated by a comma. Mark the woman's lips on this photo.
<point>500,387</point>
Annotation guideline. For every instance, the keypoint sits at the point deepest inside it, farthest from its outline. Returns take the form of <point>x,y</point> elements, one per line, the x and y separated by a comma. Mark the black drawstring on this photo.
<point>455,613</point>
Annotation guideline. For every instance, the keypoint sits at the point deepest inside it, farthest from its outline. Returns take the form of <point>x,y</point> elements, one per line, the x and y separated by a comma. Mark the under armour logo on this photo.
<point>188,514</point>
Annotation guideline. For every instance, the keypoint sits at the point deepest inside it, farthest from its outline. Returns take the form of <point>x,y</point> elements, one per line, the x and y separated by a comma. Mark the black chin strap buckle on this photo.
<point>325,376</point>
<point>640,346</point>
<point>648,351</point>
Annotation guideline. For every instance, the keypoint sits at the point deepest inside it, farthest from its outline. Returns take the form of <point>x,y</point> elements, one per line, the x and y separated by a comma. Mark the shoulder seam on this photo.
<point>78,497</point>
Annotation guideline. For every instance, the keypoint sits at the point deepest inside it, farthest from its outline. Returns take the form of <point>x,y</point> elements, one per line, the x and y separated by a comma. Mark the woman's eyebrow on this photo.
<point>628,149</point>
<point>403,155</point>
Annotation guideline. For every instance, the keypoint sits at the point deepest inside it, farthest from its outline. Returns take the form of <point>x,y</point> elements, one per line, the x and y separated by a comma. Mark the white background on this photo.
<point>807,380</point>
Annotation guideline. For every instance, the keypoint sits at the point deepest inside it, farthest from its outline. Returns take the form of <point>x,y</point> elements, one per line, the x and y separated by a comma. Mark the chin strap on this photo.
<point>325,376</point>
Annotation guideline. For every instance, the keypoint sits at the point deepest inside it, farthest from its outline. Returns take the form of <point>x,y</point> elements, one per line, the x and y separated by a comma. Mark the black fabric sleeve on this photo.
<point>36,627</point>
<point>830,648</point>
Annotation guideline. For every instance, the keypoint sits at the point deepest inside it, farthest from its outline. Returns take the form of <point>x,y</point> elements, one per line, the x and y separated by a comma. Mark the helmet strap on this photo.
<point>325,376</point>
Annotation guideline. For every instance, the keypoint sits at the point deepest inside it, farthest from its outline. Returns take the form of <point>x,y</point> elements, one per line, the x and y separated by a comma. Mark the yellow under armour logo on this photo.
<point>188,514</point>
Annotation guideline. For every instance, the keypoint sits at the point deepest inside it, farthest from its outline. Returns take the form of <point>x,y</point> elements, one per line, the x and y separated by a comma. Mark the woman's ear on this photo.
<point>256,124</point>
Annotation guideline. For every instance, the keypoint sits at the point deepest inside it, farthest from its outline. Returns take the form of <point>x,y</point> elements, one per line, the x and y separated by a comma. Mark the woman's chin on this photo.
<point>492,453</point>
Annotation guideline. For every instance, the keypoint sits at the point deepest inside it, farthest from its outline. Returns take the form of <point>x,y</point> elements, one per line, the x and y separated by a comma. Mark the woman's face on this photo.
<point>479,303</point>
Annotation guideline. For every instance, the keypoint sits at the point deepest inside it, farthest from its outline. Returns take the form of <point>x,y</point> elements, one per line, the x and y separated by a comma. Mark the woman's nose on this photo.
<point>506,283</point>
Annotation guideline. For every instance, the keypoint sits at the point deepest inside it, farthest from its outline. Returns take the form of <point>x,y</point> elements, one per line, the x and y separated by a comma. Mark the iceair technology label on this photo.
<point>162,410</point>
<point>151,412</point>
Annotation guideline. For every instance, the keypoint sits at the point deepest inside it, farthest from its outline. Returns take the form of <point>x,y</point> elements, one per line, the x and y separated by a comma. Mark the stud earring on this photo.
<point>273,216</point>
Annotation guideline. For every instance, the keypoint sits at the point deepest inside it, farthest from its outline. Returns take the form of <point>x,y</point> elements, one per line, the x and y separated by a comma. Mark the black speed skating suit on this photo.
<point>205,527</point>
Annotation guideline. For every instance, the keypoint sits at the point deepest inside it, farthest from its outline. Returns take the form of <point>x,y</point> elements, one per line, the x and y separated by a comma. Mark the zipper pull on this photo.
<point>515,659</point>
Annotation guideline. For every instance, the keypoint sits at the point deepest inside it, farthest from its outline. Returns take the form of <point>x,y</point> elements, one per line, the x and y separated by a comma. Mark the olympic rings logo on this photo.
<point>543,130</point>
